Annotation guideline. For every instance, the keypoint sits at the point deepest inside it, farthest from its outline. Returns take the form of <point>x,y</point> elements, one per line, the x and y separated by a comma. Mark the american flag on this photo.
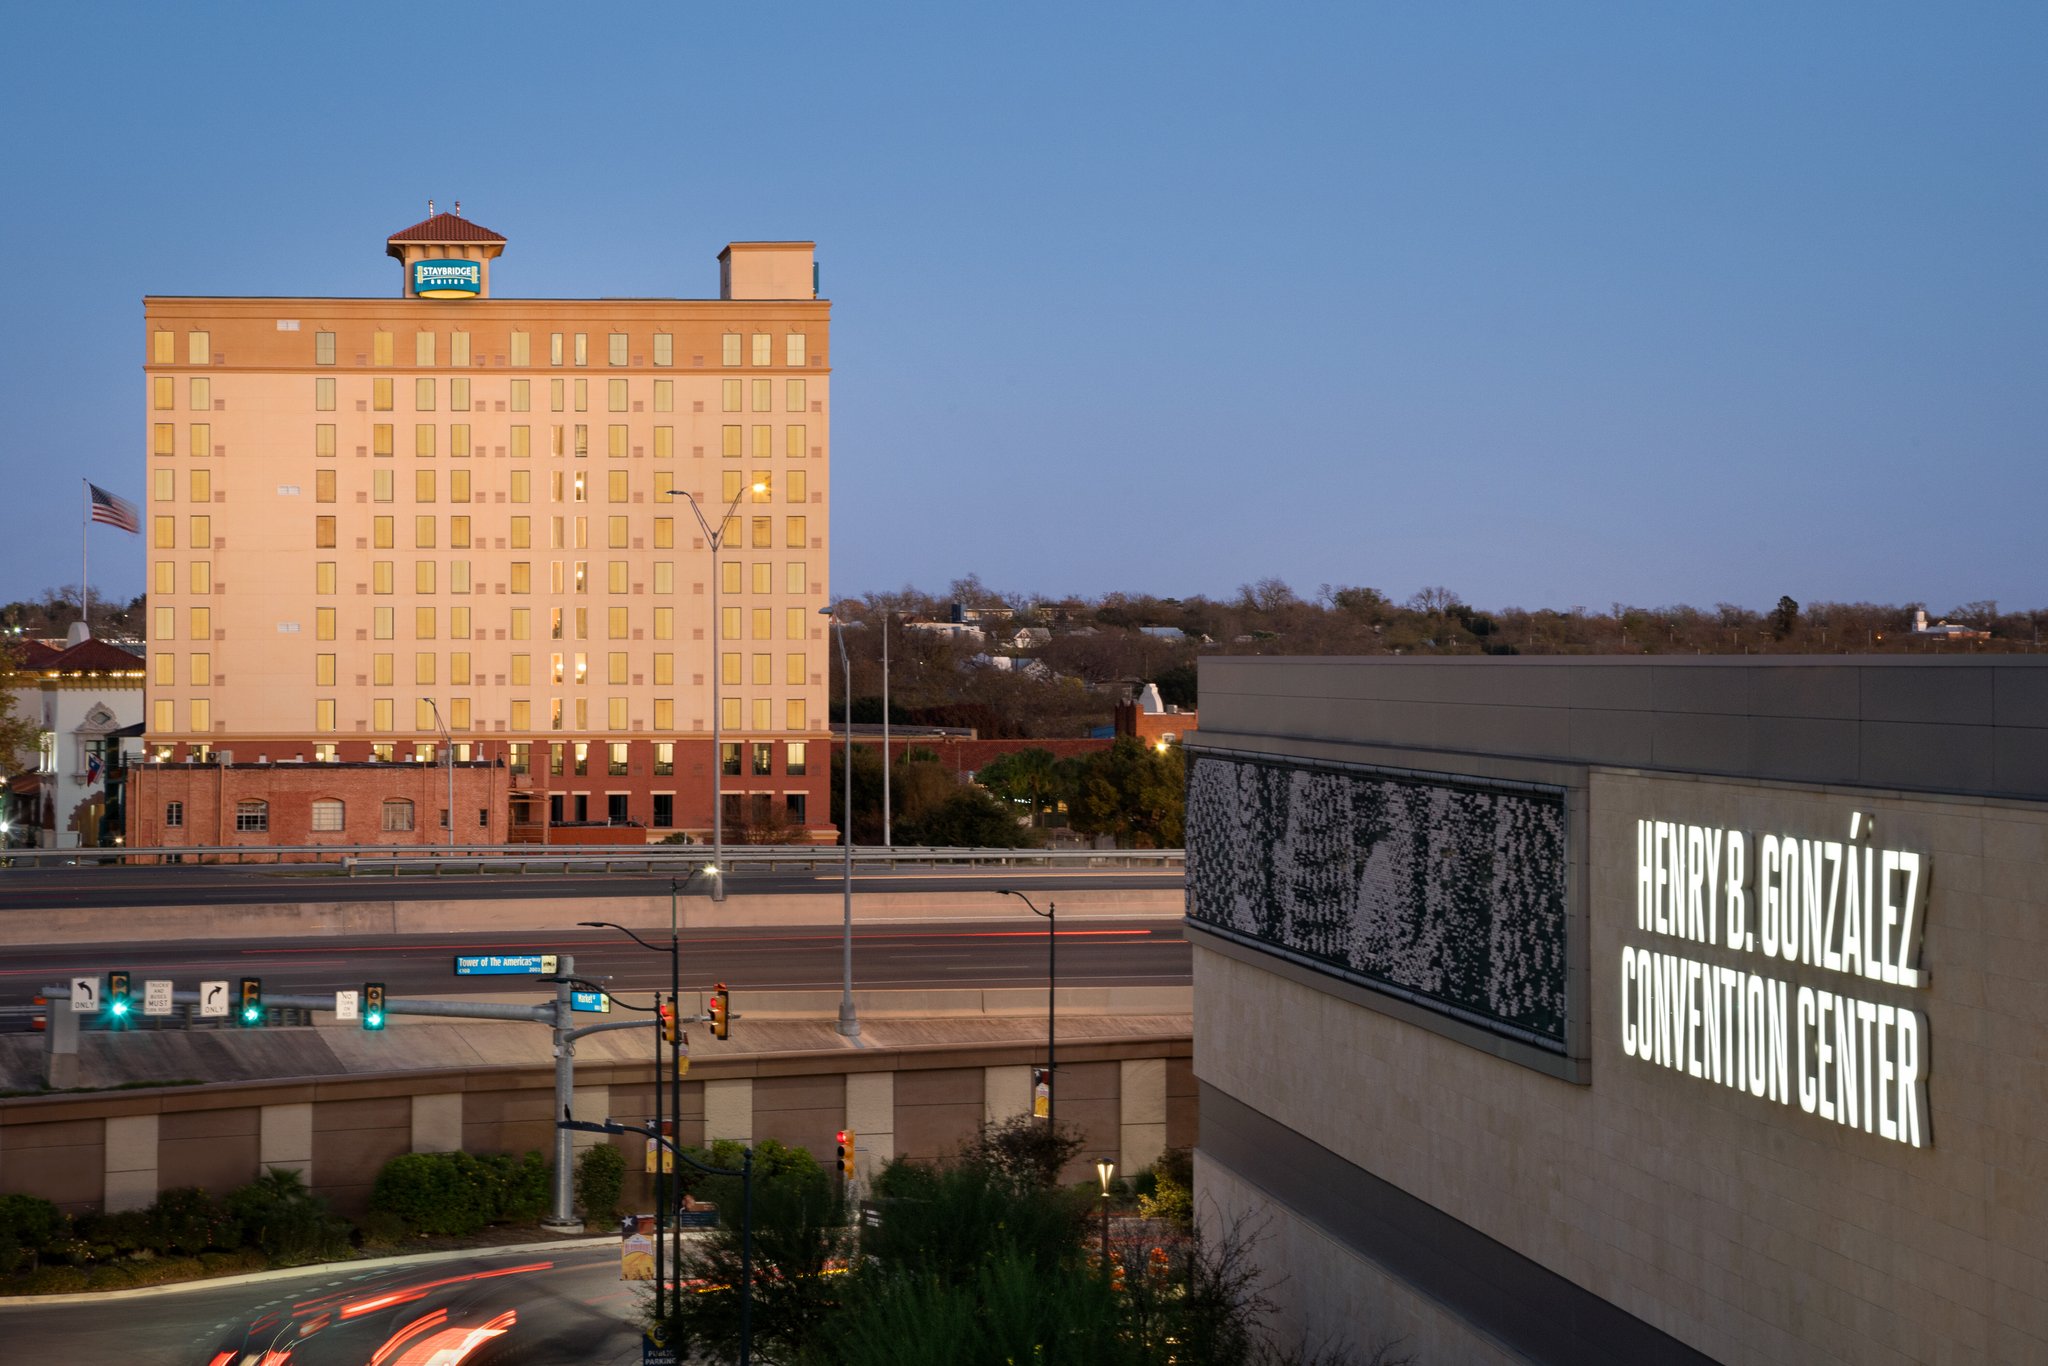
<point>113,510</point>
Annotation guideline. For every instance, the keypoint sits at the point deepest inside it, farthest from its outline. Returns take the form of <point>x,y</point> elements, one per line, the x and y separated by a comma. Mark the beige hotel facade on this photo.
<point>372,519</point>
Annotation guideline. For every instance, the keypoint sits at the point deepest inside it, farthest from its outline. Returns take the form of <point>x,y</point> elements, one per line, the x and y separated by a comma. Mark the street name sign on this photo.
<point>156,996</point>
<point>504,965</point>
<point>593,1001</point>
<point>213,1000</point>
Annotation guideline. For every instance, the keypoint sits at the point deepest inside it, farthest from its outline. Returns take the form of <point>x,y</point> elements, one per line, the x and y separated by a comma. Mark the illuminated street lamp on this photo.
<point>1105,1170</point>
<point>849,1024</point>
<point>715,541</point>
<point>1051,917</point>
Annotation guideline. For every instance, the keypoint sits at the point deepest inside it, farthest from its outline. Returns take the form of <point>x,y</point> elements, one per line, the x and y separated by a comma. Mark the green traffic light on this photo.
<point>120,1007</point>
<point>251,1013</point>
<point>374,1020</point>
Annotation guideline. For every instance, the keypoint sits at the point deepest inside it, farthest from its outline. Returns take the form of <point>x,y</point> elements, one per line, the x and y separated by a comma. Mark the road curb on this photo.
<point>311,1269</point>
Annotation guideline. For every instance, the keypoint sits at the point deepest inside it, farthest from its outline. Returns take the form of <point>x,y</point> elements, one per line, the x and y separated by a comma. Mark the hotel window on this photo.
<point>164,670</point>
<point>166,482</point>
<point>616,485</point>
<point>323,348</point>
<point>763,486</point>
<point>323,532</point>
<point>729,393</point>
<point>397,813</point>
<point>664,758</point>
<point>458,719</point>
<point>201,394</point>
<point>615,667</point>
<point>796,486</point>
<point>422,623</point>
<point>382,532</point>
<point>381,484</point>
<point>764,349</point>
<point>164,393</point>
<point>763,533</point>
<point>201,577</point>
<point>730,438</point>
<point>615,713</point>
<point>522,532</point>
<point>794,671</point>
<point>796,534</point>
<point>423,348</point>
<point>764,443</point>
<point>763,670</point>
<point>558,399</point>
<point>554,348</point>
<point>167,720</point>
<point>664,396</point>
<point>616,537</point>
<point>615,396</point>
<point>423,576</point>
<point>381,577</point>
<point>615,348</point>
<point>323,671</point>
<point>764,714</point>
<point>664,443</point>
<point>381,670</point>
<point>795,621</point>
<point>323,715</point>
<point>164,441</point>
<point>380,439</point>
<point>201,439</point>
<point>522,449</point>
<point>423,395</point>
<point>664,538</point>
<point>522,576</point>
<point>793,759</point>
<point>764,395</point>
<point>664,669</point>
<point>252,817</point>
<point>327,812</point>
<point>202,533</point>
<point>458,579</point>
<point>522,671</point>
<point>583,348</point>
<point>381,753</point>
<point>323,623</point>
<point>198,348</point>
<point>582,442</point>
<point>764,576</point>
<point>728,623</point>
<point>323,440</point>
<point>383,623</point>
<point>793,441</point>
<point>522,623</point>
<point>615,441</point>
<point>423,486</point>
<point>763,757</point>
<point>664,623</point>
<point>201,712</point>
<point>664,348</point>
<point>324,578</point>
<point>166,578</point>
<point>459,490</point>
<point>199,669</point>
<point>522,715</point>
<point>166,624</point>
<point>729,750</point>
<point>793,396</point>
<point>615,623</point>
<point>615,751</point>
<point>615,572</point>
<point>793,349</point>
<point>166,351</point>
<point>423,532</point>
<point>324,754</point>
<point>729,573</point>
<point>522,397</point>
<point>380,348</point>
<point>582,395</point>
<point>793,580</point>
<point>730,484</point>
<point>458,396</point>
<point>794,714</point>
<point>580,765</point>
<point>422,668</point>
<point>458,623</point>
<point>323,485</point>
<point>522,348</point>
<point>380,395</point>
<point>731,349</point>
<point>764,623</point>
<point>664,713</point>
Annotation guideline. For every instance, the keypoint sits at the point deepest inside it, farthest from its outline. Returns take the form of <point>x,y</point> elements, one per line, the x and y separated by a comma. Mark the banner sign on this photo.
<point>504,965</point>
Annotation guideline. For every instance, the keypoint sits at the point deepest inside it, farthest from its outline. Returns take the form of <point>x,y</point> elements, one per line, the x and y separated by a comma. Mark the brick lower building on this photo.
<point>215,805</point>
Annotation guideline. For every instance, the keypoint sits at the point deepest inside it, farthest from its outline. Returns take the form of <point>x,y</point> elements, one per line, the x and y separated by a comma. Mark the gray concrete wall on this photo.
<point>1975,726</point>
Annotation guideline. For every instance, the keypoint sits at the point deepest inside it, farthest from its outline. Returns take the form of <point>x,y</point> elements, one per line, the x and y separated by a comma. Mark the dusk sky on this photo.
<point>1549,304</point>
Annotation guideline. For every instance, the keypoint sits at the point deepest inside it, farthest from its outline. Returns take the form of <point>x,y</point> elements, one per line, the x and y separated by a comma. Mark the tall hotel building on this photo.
<point>371,520</point>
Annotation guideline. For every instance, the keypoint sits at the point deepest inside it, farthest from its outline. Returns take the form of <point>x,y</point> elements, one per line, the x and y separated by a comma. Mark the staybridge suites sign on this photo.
<point>1842,906</point>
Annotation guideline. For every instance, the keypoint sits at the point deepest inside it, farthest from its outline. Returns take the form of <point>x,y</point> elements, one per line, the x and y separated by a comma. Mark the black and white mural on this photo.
<point>1452,892</point>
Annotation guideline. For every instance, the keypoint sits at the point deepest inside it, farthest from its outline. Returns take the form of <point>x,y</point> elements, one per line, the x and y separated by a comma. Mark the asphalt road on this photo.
<point>31,889</point>
<point>561,1305</point>
<point>980,953</point>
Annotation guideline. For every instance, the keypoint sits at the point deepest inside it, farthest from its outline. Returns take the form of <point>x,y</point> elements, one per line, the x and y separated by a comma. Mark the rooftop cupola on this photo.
<point>446,256</point>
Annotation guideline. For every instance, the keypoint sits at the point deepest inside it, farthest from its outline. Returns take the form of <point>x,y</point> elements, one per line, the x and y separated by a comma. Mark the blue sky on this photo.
<point>1551,304</point>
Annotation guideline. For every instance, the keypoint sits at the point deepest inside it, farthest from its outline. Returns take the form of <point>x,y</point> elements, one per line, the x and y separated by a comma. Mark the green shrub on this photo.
<point>600,1180</point>
<point>288,1222</point>
<point>27,1225</point>
<point>456,1193</point>
<point>188,1221</point>
<point>116,1234</point>
<point>111,1276</point>
<point>164,1270</point>
<point>232,1263</point>
<point>55,1280</point>
<point>381,1228</point>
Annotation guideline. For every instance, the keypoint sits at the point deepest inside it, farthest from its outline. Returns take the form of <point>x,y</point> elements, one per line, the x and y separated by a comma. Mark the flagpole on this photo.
<point>84,563</point>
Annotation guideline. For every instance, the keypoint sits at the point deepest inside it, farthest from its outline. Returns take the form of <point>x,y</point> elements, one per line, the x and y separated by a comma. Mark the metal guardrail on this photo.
<point>401,860</point>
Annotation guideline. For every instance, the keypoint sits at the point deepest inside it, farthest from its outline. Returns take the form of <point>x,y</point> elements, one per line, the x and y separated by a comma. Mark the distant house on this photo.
<point>1029,638</point>
<point>1150,721</point>
<point>1163,632</point>
<point>1943,630</point>
<point>79,695</point>
<point>952,630</point>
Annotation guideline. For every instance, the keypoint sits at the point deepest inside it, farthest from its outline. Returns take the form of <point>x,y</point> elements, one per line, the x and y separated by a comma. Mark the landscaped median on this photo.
<point>422,1202</point>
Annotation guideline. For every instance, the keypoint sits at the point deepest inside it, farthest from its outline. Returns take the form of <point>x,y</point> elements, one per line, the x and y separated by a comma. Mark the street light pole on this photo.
<point>1051,917</point>
<point>888,832</point>
<point>448,746</point>
<point>849,1023</point>
<point>715,542</point>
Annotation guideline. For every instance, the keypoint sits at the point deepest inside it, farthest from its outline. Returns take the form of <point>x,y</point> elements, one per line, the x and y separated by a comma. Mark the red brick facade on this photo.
<point>253,805</point>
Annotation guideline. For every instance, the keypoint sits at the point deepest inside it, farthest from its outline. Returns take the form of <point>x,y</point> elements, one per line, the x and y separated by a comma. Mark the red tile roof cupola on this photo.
<point>445,238</point>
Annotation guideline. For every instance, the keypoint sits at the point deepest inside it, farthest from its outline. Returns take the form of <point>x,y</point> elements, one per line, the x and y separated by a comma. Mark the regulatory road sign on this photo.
<point>85,994</point>
<point>156,996</point>
<point>504,965</point>
<point>595,1001</point>
<point>213,999</point>
<point>345,1004</point>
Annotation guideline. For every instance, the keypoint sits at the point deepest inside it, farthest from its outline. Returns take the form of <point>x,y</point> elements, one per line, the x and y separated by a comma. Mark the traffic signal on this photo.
<point>373,1005</point>
<point>670,1030</point>
<point>721,1012</point>
<point>846,1137</point>
<point>252,1001</point>
<point>119,1005</point>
